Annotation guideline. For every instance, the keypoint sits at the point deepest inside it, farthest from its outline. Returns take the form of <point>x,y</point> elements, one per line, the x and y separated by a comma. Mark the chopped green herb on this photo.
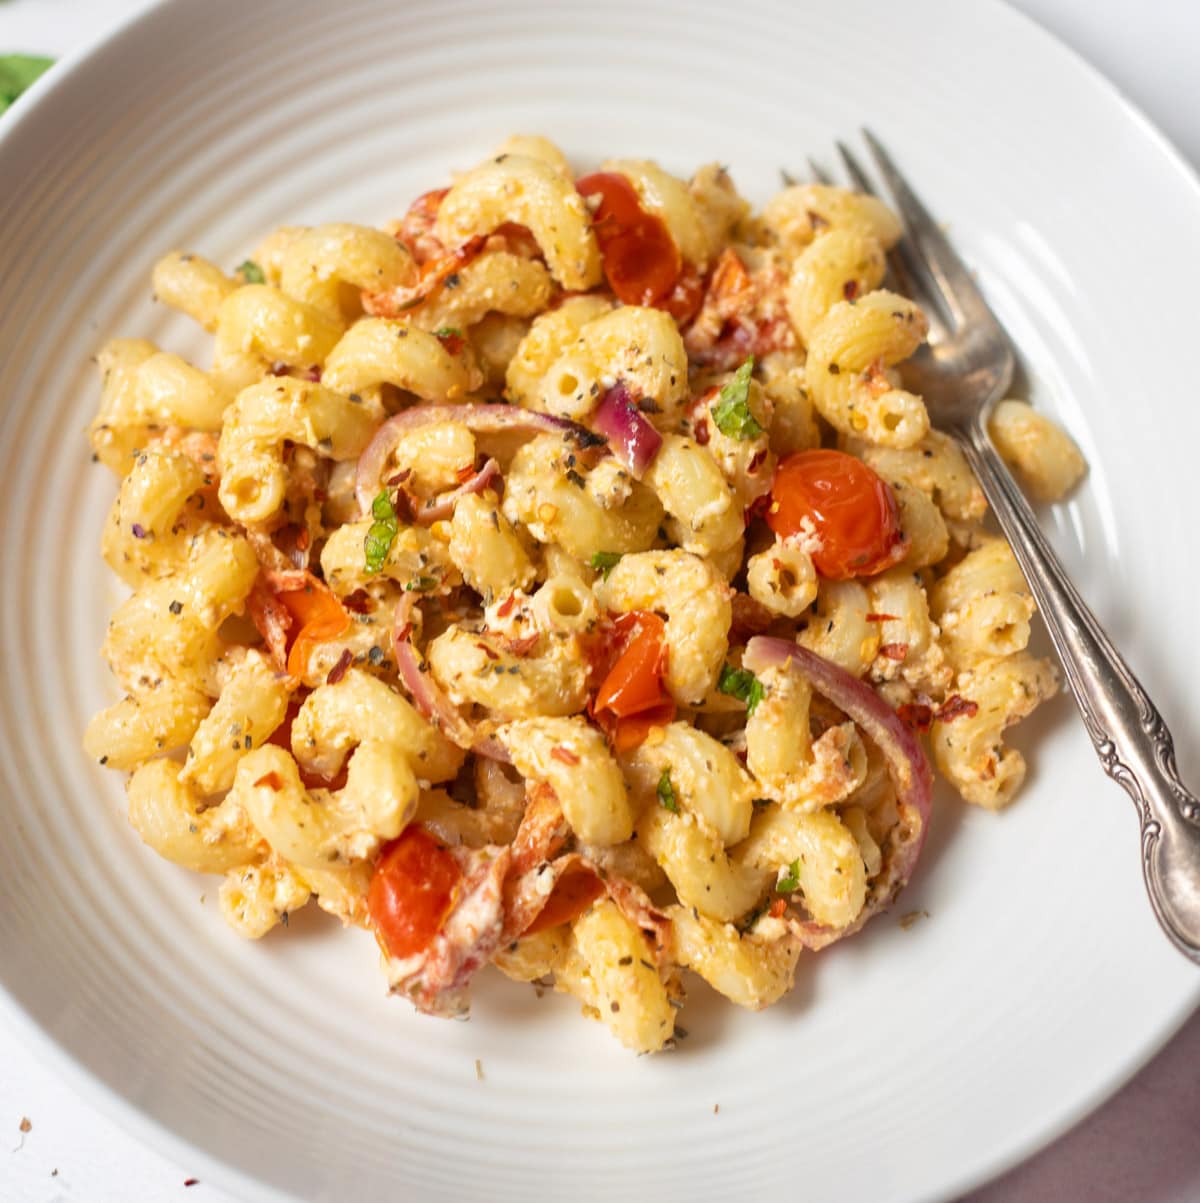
<point>250,272</point>
<point>789,883</point>
<point>448,332</point>
<point>666,792</point>
<point>605,561</point>
<point>742,684</point>
<point>731,411</point>
<point>378,541</point>
<point>17,72</point>
<point>421,584</point>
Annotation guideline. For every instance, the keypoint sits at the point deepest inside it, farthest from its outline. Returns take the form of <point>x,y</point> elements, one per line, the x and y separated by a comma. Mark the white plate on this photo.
<point>907,1064</point>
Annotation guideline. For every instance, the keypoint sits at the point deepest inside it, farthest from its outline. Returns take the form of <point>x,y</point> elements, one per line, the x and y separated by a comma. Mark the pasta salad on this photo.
<point>560,577</point>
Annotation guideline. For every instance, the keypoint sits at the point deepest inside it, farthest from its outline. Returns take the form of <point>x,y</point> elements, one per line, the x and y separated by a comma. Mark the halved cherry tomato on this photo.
<point>641,260</point>
<point>631,732</point>
<point>634,683</point>
<point>573,893</point>
<point>684,300</point>
<point>852,510</point>
<point>631,698</point>
<point>412,890</point>
<point>316,616</point>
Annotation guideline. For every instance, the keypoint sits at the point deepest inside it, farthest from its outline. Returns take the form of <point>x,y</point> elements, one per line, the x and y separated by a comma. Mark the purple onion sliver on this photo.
<point>907,763</point>
<point>481,418</point>
<point>438,508</point>
<point>633,440</point>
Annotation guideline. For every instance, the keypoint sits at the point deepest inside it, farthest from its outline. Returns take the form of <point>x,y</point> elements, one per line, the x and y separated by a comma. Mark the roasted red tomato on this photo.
<point>294,611</point>
<point>317,616</point>
<point>412,890</point>
<point>573,893</point>
<point>852,511</point>
<point>634,683</point>
<point>631,698</point>
<point>641,260</point>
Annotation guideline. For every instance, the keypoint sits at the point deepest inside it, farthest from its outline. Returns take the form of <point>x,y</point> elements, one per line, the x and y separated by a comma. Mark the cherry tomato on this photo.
<point>634,683</point>
<point>684,300</point>
<point>625,734</point>
<point>316,616</point>
<point>631,698</point>
<point>641,259</point>
<point>412,890</point>
<point>852,510</point>
<point>573,893</point>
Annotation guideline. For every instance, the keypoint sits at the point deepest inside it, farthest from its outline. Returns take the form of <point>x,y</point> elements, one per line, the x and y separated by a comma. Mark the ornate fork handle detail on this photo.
<point>1129,734</point>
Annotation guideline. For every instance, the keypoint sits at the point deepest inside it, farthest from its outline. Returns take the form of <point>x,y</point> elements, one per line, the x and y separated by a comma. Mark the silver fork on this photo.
<point>962,373</point>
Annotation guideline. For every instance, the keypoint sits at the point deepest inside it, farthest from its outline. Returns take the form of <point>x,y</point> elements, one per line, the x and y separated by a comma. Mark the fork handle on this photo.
<point>1129,735</point>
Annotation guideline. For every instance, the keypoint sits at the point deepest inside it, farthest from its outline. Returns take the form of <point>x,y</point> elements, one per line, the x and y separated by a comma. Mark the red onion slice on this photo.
<point>482,419</point>
<point>427,695</point>
<point>441,507</point>
<point>633,440</point>
<point>907,764</point>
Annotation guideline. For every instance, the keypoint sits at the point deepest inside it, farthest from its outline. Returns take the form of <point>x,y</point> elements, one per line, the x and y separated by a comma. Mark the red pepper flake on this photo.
<point>756,461</point>
<point>506,606</point>
<point>777,908</point>
<point>398,479</point>
<point>758,508</point>
<point>279,368</point>
<point>303,538</point>
<point>338,671</point>
<point>916,715</point>
<point>565,755</point>
<point>850,290</point>
<point>954,707</point>
<point>452,340</point>
<point>313,374</point>
<point>358,602</point>
<point>191,1182</point>
<point>271,780</point>
<point>26,1125</point>
<point>403,504</point>
<point>700,430</point>
<point>894,651</point>
<point>520,647</point>
<point>488,652</point>
<point>882,618</point>
<point>465,473</point>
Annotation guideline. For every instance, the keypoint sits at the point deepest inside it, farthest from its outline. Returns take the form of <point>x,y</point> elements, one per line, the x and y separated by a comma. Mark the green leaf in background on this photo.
<point>17,72</point>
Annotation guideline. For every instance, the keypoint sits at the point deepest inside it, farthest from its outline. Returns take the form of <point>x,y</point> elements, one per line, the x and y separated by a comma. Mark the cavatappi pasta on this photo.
<point>459,578</point>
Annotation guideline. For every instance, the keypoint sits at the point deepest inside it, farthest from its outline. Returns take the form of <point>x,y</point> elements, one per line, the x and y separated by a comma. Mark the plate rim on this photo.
<point>157,1136</point>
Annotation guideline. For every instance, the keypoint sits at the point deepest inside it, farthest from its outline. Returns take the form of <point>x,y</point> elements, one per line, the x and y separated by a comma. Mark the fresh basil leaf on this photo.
<point>731,410</point>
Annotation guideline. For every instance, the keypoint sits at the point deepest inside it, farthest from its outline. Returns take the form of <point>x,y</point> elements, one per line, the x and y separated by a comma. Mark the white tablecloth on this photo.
<point>1141,1147</point>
